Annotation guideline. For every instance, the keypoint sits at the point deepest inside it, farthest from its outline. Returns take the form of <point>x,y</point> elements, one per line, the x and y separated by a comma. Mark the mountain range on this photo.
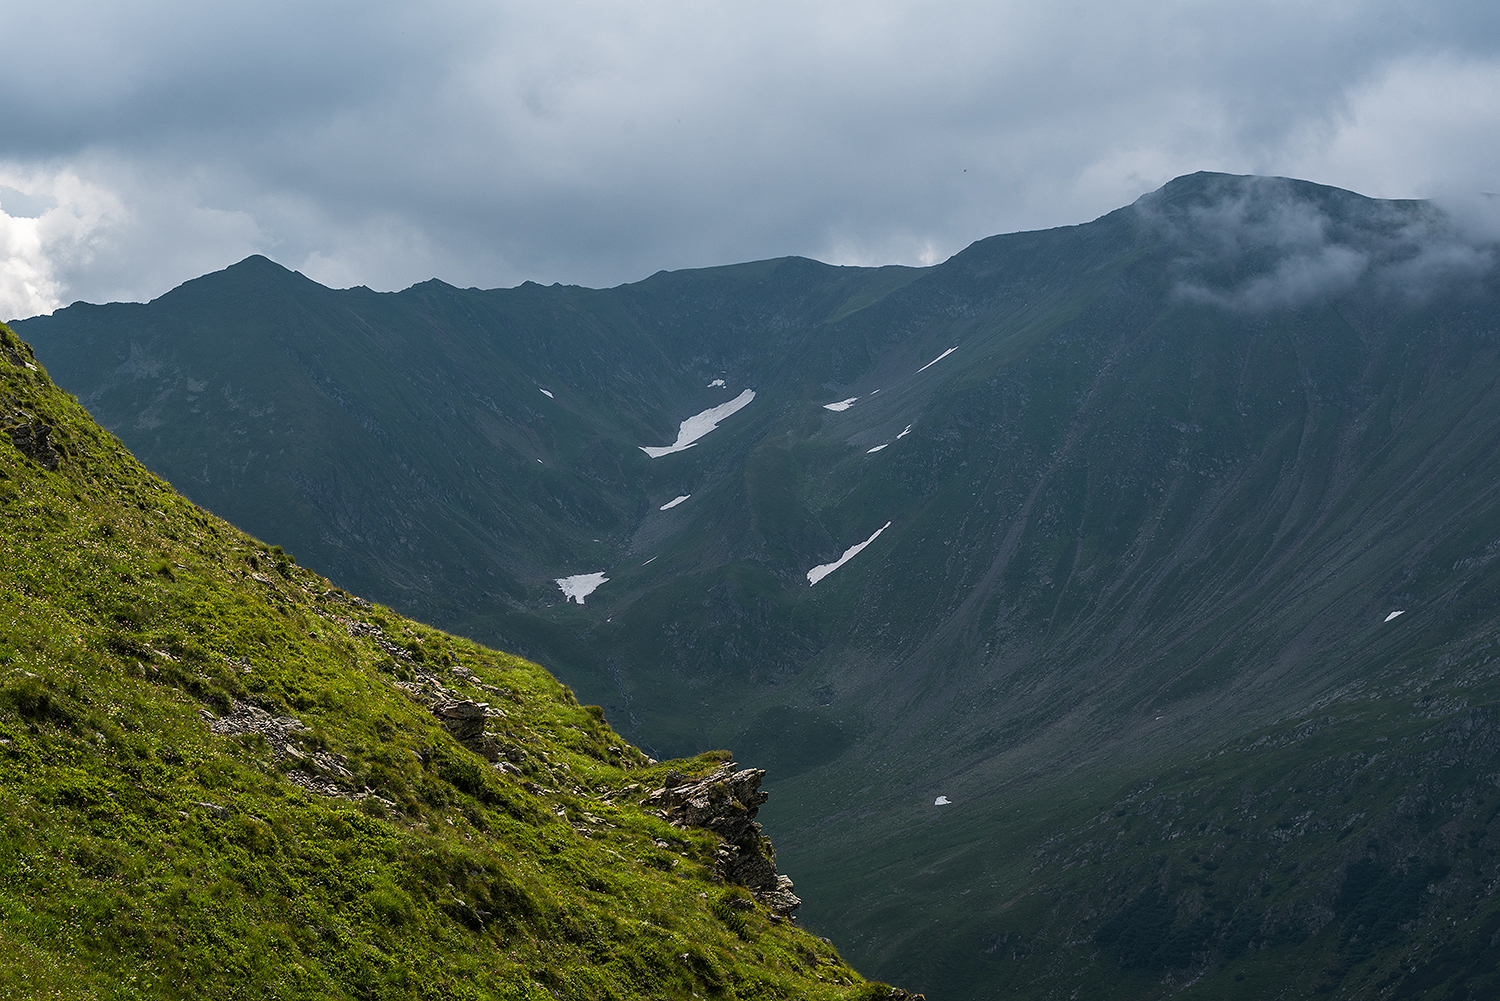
<point>1112,606</point>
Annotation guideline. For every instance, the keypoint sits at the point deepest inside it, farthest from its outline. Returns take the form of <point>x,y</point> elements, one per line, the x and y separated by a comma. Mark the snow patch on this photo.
<point>817,573</point>
<point>903,434</point>
<point>717,383</point>
<point>877,448</point>
<point>674,502</point>
<point>937,359</point>
<point>580,586</point>
<point>1399,611</point>
<point>942,801</point>
<point>698,425</point>
<point>841,405</point>
<point>547,394</point>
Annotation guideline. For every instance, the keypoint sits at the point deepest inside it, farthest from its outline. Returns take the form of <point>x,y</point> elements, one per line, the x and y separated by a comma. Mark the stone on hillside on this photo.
<point>462,718</point>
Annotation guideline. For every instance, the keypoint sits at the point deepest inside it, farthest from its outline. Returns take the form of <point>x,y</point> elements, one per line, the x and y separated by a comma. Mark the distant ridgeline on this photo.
<point>1114,607</point>
<point>220,776</point>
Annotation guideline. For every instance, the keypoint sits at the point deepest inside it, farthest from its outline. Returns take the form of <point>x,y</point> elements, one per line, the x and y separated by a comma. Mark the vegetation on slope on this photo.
<point>356,851</point>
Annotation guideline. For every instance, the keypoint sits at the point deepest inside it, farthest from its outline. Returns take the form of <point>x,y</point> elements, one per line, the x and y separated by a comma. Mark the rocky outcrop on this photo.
<point>280,731</point>
<point>321,772</point>
<point>725,802</point>
<point>464,719</point>
<point>33,440</point>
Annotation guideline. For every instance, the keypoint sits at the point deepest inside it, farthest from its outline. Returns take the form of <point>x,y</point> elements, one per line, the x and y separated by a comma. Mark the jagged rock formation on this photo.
<point>726,802</point>
<point>280,731</point>
<point>33,440</point>
<point>464,719</point>
<point>461,717</point>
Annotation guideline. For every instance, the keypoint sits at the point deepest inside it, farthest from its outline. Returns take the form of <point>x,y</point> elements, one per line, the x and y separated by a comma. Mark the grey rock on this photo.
<point>33,440</point>
<point>279,731</point>
<point>725,802</point>
<point>220,812</point>
<point>464,719</point>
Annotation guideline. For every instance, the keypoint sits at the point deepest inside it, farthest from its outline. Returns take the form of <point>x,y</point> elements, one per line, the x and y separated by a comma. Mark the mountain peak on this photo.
<point>254,275</point>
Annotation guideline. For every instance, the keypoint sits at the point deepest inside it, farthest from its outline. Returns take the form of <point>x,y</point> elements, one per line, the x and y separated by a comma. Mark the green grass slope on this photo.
<point>348,847</point>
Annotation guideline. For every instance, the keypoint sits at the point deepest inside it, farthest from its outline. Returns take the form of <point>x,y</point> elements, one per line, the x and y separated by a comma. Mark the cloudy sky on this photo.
<point>487,143</point>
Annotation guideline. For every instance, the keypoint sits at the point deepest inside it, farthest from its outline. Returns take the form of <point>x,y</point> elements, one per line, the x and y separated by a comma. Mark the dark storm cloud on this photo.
<point>484,143</point>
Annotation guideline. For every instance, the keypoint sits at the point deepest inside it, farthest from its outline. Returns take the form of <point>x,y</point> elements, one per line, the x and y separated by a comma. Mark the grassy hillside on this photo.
<point>219,776</point>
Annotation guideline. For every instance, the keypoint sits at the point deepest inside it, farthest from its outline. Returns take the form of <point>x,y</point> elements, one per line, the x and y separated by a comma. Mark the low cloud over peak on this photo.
<point>1258,244</point>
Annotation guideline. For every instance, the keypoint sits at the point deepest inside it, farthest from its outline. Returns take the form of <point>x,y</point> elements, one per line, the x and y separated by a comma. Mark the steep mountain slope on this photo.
<point>219,776</point>
<point>1146,490</point>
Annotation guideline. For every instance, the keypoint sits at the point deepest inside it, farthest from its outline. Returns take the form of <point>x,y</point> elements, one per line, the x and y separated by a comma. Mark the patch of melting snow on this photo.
<point>580,586</point>
<point>1399,611</point>
<point>547,394</point>
<point>817,573</point>
<point>717,383</point>
<point>903,434</point>
<point>877,448</point>
<point>937,359</point>
<point>942,801</point>
<point>698,425</point>
<point>841,405</point>
<point>674,502</point>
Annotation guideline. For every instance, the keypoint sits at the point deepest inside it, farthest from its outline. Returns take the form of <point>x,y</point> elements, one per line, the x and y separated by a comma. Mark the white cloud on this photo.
<point>1258,244</point>
<point>58,227</point>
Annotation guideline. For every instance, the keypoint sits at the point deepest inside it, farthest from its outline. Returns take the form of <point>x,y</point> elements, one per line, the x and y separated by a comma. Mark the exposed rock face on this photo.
<point>464,719</point>
<point>726,802</point>
<point>32,439</point>
<point>279,731</point>
<point>318,771</point>
<point>461,717</point>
